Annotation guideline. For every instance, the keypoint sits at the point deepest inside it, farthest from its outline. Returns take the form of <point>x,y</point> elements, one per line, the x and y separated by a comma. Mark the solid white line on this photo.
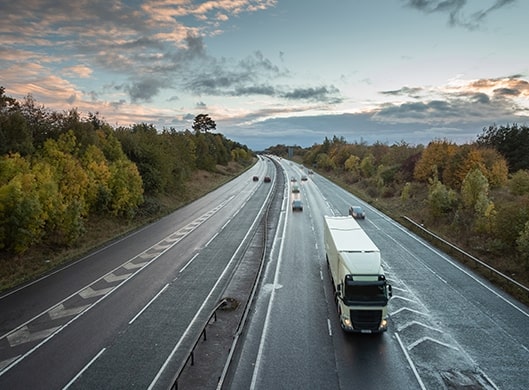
<point>192,323</point>
<point>148,304</point>
<point>189,262</point>
<point>449,261</point>
<point>84,369</point>
<point>417,376</point>
<point>270,304</point>
<point>329,326</point>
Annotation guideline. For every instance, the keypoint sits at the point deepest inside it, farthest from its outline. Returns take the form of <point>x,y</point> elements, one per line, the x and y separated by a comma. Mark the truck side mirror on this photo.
<point>390,291</point>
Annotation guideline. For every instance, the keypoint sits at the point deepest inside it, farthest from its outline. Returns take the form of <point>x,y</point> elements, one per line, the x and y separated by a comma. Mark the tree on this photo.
<point>522,244</point>
<point>434,160</point>
<point>519,183</point>
<point>203,123</point>
<point>367,166</point>
<point>511,141</point>
<point>441,199</point>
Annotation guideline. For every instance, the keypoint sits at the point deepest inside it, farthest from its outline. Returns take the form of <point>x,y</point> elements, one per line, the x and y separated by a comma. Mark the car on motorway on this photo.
<point>293,180</point>
<point>256,178</point>
<point>297,205</point>
<point>304,178</point>
<point>295,189</point>
<point>267,179</point>
<point>357,212</point>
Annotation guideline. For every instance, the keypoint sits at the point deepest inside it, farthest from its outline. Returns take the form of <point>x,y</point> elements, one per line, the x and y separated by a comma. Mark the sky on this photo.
<point>272,72</point>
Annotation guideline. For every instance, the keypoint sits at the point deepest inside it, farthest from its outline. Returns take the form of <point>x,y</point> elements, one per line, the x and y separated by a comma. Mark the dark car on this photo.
<point>357,212</point>
<point>304,178</point>
<point>256,178</point>
<point>295,189</point>
<point>267,179</point>
<point>297,205</point>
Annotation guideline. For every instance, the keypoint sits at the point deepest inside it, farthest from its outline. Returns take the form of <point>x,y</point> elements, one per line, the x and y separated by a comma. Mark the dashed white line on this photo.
<point>84,369</point>
<point>189,262</point>
<point>148,304</point>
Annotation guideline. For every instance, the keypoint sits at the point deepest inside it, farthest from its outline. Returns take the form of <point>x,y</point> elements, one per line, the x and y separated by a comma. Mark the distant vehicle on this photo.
<point>267,179</point>
<point>311,172</point>
<point>357,212</point>
<point>297,205</point>
<point>256,178</point>
<point>304,178</point>
<point>293,179</point>
<point>295,189</point>
<point>361,291</point>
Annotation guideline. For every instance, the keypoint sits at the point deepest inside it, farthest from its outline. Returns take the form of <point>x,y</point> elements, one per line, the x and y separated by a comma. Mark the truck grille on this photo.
<point>366,319</point>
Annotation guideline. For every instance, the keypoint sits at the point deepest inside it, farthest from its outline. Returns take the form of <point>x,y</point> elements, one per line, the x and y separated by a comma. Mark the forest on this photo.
<point>59,171</point>
<point>474,195</point>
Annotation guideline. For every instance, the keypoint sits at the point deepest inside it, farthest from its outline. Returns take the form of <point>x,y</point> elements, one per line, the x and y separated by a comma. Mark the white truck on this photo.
<point>360,287</point>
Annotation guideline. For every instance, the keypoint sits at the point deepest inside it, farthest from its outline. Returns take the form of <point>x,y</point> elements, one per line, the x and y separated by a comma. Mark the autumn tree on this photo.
<point>434,160</point>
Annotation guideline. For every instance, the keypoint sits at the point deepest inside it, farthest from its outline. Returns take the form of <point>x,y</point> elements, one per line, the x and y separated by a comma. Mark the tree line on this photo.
<point>476,193</point>
<point>57,169</point>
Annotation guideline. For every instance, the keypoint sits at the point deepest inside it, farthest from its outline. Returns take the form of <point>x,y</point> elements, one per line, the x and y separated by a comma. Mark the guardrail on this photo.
<point>249,302</point>
<point>190,355</point>
<point>468,255</point>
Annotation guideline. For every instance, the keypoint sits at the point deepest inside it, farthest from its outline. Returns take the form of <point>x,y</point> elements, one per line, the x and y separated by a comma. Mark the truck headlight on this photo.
<point>383,324</point>
<point>347,322</point>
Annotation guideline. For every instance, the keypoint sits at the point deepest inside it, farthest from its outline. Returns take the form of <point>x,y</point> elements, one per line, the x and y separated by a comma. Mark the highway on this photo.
<point>124,316</point>
<point>449,328</point>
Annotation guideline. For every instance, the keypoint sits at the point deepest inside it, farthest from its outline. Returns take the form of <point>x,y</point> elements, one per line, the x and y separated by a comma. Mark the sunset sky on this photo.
<point>276,72</point>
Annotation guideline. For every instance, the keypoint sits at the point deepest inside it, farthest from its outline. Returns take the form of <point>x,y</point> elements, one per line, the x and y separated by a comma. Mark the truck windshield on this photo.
<point>366,294</point>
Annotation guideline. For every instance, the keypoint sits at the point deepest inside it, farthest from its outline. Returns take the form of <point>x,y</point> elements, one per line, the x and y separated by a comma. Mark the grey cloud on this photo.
<point>506,92</point>
<point>144,90</point>
<point>482,98</point>
<point>266,90</point>
<point>404,91</point>
<point>455,10</point>
<point>325,94</point>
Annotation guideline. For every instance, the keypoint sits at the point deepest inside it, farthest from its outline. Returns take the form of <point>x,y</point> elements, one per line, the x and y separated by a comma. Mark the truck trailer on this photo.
<point>361,291</point>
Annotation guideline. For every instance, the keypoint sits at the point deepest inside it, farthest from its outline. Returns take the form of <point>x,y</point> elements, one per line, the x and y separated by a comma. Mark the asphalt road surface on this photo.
<point>124,316</point>
<point>449,328</point>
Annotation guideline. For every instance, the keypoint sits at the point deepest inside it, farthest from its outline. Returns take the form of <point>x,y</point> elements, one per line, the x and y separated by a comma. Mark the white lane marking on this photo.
<point>449,261</point>
<point>410,362</point>
<point>148,304</point>
<point>89,292</point>
<point>329,326</point>
<point>60,311</point>
<point>189,262</point>
<point>111,278</point>
<point>85,292</point>
<point>206,300</point>
<point>266,326</point>
<point>211,239</point>
<point>84,369</point>
<point>24,335</point>
<point>423,339</point>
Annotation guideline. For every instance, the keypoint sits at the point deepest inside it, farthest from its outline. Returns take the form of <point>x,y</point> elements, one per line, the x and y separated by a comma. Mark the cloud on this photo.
<point>319,94</point>
<point>456,10</point>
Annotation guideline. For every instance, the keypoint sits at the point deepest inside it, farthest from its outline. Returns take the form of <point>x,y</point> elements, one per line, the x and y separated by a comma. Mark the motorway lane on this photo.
<point>63,355</point>
<point>22,304</point>
<point>293,339</point>
<point>455,326</point>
